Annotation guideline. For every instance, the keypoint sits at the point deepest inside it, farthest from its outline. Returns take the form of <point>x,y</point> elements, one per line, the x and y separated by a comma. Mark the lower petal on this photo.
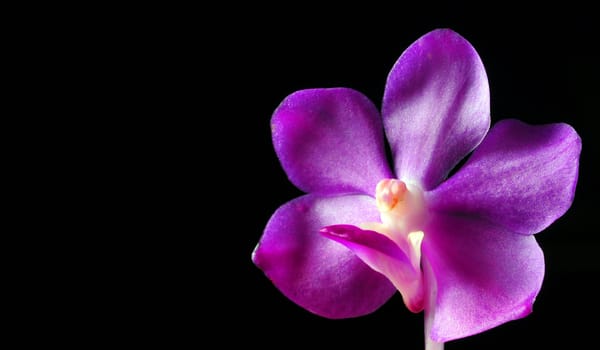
<point>479,276</point>
<point>315,272</point>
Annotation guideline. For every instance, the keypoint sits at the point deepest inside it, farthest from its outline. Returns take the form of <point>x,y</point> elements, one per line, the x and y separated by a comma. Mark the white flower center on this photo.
<point>403,215</point>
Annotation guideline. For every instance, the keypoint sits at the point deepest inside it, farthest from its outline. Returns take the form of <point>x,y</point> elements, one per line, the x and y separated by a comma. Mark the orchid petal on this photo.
<point>521,176</point>
<point>385,256</point>
<point>330,141</point>
<point>436,107</point>
<point>315,272</point>
<point>479,276</point>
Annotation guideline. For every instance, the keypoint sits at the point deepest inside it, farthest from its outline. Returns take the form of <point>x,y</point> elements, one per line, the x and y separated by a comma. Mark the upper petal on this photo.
<point>436,106</point>
<point>330,141</point>
<point>521,176</point>
<point>317,273</point>
<point>479,276</point>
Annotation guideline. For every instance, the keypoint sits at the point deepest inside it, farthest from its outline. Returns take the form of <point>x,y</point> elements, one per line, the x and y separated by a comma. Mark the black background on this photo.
<point>542,68</point>
<point>173,176</point>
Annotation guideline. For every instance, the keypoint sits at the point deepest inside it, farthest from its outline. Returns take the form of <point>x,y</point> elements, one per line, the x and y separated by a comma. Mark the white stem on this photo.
<point>430,308</point>
<point>431,345</point>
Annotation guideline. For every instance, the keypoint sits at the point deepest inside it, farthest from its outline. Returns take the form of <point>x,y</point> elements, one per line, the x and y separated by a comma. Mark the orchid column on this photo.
<point>461,248</point>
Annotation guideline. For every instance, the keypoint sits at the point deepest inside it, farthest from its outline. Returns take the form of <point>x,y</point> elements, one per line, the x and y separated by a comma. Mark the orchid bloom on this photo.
<point>459,248</point>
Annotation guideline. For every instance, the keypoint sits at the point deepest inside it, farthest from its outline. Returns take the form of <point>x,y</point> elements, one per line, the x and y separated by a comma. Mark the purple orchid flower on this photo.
<point>461,248</point>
